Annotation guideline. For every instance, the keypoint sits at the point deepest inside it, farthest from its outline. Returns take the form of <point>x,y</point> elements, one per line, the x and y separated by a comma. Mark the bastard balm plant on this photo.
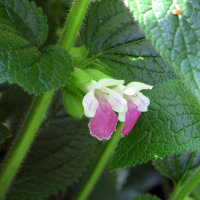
<point>99,99</point>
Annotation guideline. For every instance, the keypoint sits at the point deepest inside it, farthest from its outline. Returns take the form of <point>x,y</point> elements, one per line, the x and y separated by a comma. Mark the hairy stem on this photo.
<point>23,142</point>
<point>180,192</point>
<point>40,104</point>
<point>100,165</point>
<point>73,23</point>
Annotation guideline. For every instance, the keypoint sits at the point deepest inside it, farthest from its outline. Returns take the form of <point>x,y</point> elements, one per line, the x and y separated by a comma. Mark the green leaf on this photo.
<point>4,133</point>
<point>36,72</point>
<point>178,166</point>
<point>52,70</point>
<point>20,61</point>
<point>146,197</point>
<point>114,40</point>
<point>176,37</point>
<point>58,157</point>
<point>171,125</point>
<point>26,18</point>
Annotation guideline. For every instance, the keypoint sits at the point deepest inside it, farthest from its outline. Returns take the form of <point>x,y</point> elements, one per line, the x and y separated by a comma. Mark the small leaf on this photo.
<point>176,37</point>
<point>114,40</point>
<point>171,125</point>
<point>146,197</point>
<point>26,18</point>
<point>178,166</point>
<point>58,157</point>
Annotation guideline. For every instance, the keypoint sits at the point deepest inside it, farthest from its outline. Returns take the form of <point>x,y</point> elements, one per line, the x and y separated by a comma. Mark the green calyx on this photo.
<point>73,104</point>
<point>73,93</point>
<point>80,77</point>
<point>78,55</point>
<point>96,74</point>
<point>75,89</point>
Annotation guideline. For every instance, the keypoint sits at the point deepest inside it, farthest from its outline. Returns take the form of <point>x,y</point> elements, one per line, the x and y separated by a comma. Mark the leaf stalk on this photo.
<point>180,192</point>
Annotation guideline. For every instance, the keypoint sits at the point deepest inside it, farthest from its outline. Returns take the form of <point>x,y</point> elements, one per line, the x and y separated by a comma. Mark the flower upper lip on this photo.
<point>101,88</point>
<point>116,96</point>
<point>135,87</point>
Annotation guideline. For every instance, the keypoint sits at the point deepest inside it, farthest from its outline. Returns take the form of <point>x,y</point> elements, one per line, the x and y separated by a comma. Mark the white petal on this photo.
<point>91,86</point>
<point>90,104</point>
<point>134,87</point>
<point>116,100</point>
<point>141,101</point>
<point>108,82</point>
<point>144,102</point>
<point>119,88</point>
<point>122,115</point>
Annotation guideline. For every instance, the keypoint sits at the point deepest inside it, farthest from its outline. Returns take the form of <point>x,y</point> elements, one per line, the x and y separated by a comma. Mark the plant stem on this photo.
<point>100,165</point>
<point>40,104</point>
<point>23,141</point>
<point>73,23</point>
<point>180,192</point>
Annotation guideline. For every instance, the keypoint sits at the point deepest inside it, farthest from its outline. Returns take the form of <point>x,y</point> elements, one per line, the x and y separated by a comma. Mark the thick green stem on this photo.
<point>180,192</point>
<point>23,142</point>
<point>100,165</point>
<point>73,23</point>
<point>38,109</point>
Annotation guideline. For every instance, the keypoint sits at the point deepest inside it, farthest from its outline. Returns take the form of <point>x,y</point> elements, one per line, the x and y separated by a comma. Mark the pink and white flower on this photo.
<point>100,103</point>
<point>108,96</point>
<point>136,103</point>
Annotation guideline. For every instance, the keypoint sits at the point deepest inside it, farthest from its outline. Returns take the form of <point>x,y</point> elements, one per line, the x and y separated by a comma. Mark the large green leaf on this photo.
<point>178,166</point>
<point>146,197</point>
<point>171,125</point>
<point>20,61</point>
<point>26,18</point>
<point>58,157</point>
<point>113,39</point>
<point>176,37</point>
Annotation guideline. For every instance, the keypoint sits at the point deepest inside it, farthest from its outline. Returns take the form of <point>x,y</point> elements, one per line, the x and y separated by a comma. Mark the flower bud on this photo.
<point>73,104</point>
